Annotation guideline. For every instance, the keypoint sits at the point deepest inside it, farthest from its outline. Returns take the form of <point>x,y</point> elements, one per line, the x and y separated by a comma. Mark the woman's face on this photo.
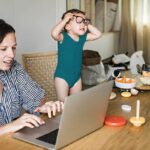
<point>7,51</point>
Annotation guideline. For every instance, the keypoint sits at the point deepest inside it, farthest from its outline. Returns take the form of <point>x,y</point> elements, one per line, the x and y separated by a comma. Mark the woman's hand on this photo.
<point>51,108</point>
<point>26,120</point>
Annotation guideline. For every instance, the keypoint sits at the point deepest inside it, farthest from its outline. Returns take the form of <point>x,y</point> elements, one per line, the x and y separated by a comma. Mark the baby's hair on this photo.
<point>76,11</point>
<point>5,28</point>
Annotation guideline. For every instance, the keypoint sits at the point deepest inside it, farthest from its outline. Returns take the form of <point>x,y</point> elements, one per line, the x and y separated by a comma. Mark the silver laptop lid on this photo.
<point>84,113</point>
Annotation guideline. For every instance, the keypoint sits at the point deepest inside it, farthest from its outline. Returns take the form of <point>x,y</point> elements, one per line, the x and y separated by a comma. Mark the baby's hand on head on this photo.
<point>68,17</point>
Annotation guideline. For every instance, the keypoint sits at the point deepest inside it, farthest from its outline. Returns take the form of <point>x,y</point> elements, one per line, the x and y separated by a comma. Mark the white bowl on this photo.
<point>123,85</point>
<point>145,80</point>
<point>134,91</point>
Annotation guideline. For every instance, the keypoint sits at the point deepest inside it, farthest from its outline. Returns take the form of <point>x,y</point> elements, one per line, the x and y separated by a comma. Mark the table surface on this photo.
<point>126,137</point>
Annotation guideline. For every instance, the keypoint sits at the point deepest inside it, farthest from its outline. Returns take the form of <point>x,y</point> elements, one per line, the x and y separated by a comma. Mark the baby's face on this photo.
<point>78,24</point>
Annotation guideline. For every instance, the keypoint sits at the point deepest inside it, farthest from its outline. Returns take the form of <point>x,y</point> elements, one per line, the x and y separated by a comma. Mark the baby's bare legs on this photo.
<point>62,88</point>
<point>77,87</point>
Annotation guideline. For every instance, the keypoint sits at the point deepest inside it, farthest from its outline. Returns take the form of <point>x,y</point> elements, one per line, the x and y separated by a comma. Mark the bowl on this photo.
<point>129,83</point>
<point>145,80</point>
<point>134,91</point>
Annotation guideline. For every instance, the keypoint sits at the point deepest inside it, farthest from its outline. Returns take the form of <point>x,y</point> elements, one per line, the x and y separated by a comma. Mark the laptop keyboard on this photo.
<point>49,137</point>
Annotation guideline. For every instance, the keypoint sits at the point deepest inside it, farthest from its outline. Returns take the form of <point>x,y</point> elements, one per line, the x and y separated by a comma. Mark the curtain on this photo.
<point>127,30</point>
<point>135,28</point>
<point>105,15</point>
<point>70,4</point>
<point>89,7</point>
<point>146,38</point>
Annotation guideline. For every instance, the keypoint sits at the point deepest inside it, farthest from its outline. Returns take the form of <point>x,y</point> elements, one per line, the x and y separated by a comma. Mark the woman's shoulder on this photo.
<point>16,65</point>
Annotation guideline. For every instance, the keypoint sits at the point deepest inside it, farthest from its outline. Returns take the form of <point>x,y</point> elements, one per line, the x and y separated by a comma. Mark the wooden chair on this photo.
<point>41,66</point>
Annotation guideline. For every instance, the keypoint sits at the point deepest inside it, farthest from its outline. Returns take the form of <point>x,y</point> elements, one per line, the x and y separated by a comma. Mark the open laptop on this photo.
<point>83,113</point>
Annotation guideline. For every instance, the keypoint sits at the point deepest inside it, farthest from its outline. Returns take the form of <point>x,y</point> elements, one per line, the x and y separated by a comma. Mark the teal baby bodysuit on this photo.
<point>70,58</point>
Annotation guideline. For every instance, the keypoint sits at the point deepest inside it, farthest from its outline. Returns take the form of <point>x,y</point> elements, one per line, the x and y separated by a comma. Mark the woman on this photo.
<point>18,90</point>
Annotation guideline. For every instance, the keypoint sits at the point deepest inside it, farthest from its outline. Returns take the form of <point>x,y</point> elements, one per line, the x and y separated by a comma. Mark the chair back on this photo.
<point>41,66</point>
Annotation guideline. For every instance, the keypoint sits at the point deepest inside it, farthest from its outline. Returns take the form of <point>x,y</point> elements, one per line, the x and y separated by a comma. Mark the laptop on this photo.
<point>83,114</point>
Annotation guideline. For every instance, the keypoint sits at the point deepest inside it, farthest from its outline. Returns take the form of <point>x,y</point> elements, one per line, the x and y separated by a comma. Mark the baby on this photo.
<point>71,33</point>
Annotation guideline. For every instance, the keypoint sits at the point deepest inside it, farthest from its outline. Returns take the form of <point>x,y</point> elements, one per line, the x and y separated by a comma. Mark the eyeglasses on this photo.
<point>80,19</point>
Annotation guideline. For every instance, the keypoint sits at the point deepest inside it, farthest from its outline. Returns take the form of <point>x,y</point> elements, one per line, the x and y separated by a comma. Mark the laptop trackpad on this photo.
<point>49,137</point>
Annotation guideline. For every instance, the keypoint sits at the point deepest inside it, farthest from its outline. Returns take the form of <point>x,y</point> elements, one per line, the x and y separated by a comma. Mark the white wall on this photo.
<point>106,45</point>
<point>33,21</point>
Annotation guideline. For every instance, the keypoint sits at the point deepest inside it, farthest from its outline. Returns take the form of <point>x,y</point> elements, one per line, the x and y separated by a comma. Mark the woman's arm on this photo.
<point>56,31</point>
<point>31,121</point>
<point>93,34</point>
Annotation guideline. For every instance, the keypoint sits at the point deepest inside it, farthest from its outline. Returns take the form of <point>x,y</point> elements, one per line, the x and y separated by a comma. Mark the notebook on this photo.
<point>83,114</point>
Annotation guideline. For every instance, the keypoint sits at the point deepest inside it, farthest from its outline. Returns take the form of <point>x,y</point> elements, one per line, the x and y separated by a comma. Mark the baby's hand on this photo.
<point>68,17</point>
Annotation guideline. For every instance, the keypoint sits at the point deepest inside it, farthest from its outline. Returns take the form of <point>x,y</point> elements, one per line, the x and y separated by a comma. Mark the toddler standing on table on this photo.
<point>71,33</point>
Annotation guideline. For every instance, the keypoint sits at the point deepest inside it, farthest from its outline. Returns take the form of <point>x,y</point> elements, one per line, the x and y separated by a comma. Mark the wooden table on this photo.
<point>127,137</point>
